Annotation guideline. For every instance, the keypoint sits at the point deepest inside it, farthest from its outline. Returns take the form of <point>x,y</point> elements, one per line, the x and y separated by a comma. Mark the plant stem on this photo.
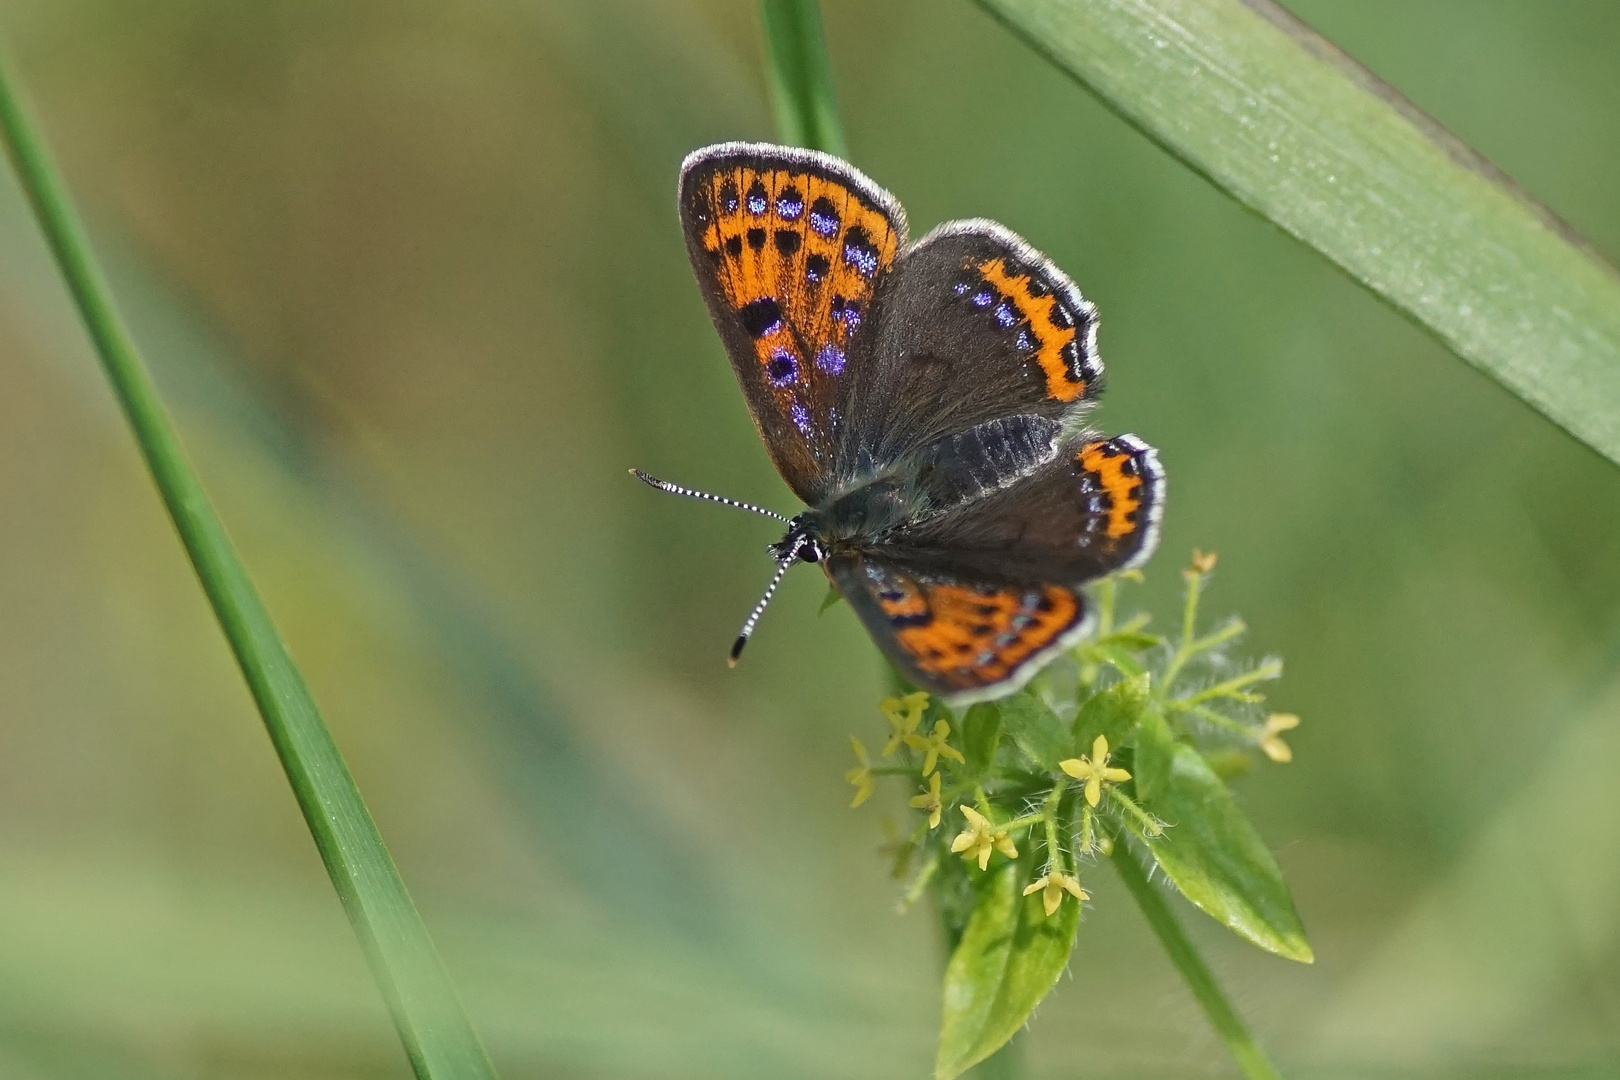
<point>438,1036</point>
<point>1245,1051</point>
<point>800,74</point>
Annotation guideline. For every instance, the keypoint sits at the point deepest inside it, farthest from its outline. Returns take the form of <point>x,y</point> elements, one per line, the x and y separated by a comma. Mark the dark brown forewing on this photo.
<point>962,636</point>
<point>1093,510</point>
<point>789,247</point>
<point>974,325</point>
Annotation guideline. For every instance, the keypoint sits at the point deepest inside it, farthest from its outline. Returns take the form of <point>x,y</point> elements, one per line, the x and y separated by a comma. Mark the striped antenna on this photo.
<point>676,489</point>
<point>788,560</point>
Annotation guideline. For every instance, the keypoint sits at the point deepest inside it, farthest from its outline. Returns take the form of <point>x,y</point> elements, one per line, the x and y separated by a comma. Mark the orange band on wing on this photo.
<point>800,250</point>
<point>1123,489</point>
<point>1061,383</point>
<point>974,636</point>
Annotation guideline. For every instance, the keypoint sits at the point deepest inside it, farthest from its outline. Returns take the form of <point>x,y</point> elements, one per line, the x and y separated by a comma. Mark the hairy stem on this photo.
<point>1245,1051</point>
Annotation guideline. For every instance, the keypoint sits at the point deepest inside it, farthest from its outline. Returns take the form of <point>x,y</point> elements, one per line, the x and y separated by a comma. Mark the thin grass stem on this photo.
<point>800,76</point>
<point>438,1036</point>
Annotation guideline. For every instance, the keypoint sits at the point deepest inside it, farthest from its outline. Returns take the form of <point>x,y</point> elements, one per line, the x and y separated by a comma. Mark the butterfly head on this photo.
<point>802,542</point>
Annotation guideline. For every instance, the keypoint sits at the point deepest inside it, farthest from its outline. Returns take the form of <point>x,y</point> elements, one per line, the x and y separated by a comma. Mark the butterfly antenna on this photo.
<point>788,560</point>
<point>676,489</point>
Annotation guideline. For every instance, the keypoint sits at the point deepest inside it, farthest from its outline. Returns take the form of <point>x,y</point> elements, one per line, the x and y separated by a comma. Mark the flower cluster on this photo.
<point>1125,699</point>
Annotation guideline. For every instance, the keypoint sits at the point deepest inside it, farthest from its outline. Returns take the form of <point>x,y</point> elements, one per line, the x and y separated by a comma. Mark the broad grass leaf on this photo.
<point>1255,101</point>
<point>1217,859</point>
<point>1009,958</point>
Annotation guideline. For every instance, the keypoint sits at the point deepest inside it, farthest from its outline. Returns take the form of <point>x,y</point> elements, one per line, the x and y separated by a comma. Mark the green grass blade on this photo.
<point>801,76</point>
<point>438,1036</point>
<point>1274,115</point>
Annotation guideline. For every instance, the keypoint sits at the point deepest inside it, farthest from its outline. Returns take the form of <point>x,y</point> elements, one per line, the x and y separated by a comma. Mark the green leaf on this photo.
<point>1036,729</point>
<point>427,1012</point>
<point>981,735</point>
<point>1155,747</point>
<point>832,597</point>
<point>1110,651</point>
<point>1130,640</point>
<point>1111,714</point>
<point>1217,859</point>
<point>1009,958</point>
<point>1259,104</point>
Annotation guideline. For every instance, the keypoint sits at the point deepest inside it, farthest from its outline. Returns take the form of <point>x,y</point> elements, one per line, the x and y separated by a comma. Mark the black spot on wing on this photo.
<point>760,317</point>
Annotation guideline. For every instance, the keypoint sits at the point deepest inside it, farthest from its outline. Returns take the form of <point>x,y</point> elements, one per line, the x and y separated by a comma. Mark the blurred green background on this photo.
<point>411,279</point>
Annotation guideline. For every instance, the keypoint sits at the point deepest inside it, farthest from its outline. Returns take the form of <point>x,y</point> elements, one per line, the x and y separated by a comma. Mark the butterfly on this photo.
<point>927,402</point>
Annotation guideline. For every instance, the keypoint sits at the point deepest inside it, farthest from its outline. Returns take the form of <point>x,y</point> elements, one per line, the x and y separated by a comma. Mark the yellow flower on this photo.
<point>860,775</point>
<point>1202,563</point>
<point>934,746</point>
<point>1271,736</point>
<point>929,801</point>
<point>981,837</point>
<point>1052,887</point>
<point>1094,770</point>
<point>903,715</point>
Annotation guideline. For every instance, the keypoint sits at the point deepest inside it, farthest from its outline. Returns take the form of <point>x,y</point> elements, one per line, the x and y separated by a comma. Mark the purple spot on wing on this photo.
<point>824,216</point>
<point>830,359</point>
<point>859,252</point>
<point>757,200</point>
<point>801,417</point>
<point>782,368</point>
<point>982,298</point>
<point>1006,315</point>
<point>790,204</point>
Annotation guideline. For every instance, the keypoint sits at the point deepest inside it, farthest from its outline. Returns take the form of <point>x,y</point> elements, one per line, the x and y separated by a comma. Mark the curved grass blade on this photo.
<point>1273,114</point>
<point>801,76</point>
<point>438,1036</point>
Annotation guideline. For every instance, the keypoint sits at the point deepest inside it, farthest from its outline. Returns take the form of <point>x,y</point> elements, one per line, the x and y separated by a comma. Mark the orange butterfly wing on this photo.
<point>955,636</point>
<point>789,247</point>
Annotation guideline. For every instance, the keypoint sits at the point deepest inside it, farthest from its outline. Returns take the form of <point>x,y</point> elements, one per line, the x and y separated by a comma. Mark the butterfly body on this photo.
<point>927,401</point>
